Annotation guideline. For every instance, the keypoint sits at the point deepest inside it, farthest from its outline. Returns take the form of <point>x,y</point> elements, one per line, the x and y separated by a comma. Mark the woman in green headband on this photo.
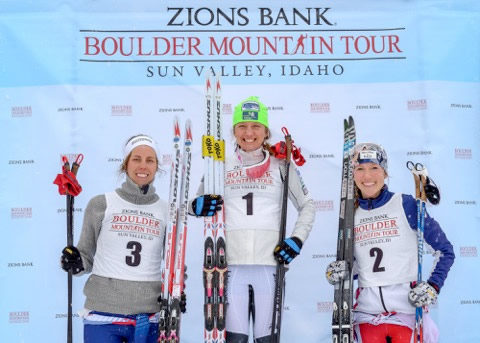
<point>253,193</point>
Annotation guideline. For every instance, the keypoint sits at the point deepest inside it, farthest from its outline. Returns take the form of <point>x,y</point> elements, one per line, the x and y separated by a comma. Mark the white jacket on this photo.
<point>253,211</point>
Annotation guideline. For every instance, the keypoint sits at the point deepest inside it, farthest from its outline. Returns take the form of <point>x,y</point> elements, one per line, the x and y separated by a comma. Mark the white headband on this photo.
<point>137,141</point>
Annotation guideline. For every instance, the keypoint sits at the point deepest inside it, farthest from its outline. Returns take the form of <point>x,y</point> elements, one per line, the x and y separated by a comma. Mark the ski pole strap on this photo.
<point>67,181</point>
<point>279,150</point>
<point>77,163</point>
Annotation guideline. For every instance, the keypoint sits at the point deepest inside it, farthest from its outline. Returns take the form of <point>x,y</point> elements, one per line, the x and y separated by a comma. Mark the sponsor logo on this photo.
<point>21,212</point>
<point>21,111</point>
<point>461,106</point>
<point>323,205</point>
<point>470,302</point>
<point>163,110</point>
<point>65,315</point>
<point>19,317</point>
<point>315,256</point>
<point>275,108</point>
<point>63,210</point>
<point>419,153</point>
<point>122,110</point>
<point>227,109</point>
<point>321,156</point>
<point>468,251</point>
<point>417,105</point>
<point>19,264</point>
<point>463,154</point>
<point>115,159</point>
<point>368,107</point>
<point>165,159</point>
<point>21,161</point>
<point>465,202</point>
<point>319,107</point>
<point>70,109</point>
<point>324,306</point>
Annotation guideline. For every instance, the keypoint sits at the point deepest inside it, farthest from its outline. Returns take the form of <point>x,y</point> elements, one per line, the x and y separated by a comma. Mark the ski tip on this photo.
<point>188,130</point>
<point>208,84</point>
<point>350,121</point>
<point>176,127</point>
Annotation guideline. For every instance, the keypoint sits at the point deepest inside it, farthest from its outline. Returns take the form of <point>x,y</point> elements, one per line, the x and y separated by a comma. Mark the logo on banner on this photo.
<point>469,106</point>
<point>463,154</point>
<point>465,202</point>
<point>21,212</point>
<point>323,205</point>
<point>19,264</point>
<point>324,306</point>
<point>70,109</point>
<point>21,162</point>
<point>321,156</point>
<point>315,256</point>
<point>122,110</point>
<point>468,251</point>
<point>21,111</point>
<point>417,105</point>
<point>368,107</point>
<point>171,110</point>
<point>75,209</point>
<point>320,107</point>
<point>227,109</point>
<point>165,160</point>
<point>19,317</point>
<point>65,315</point>
<point>261,41</point>
<point>470,302</point>
<point>275,108</point>
<point>419,153</point>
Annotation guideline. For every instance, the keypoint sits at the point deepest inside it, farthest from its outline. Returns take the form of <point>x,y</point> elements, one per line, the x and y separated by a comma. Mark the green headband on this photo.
<point>251,109</point>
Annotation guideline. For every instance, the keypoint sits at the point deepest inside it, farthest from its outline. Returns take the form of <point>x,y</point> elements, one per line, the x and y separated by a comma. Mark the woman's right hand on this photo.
<point>207,205</point>
<point>71,260</point>
<point>336,271</point>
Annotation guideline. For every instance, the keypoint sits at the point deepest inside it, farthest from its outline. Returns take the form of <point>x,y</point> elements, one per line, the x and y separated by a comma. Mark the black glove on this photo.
<point>287,250</point>
<point>207,205</point>
<point>71,260</point>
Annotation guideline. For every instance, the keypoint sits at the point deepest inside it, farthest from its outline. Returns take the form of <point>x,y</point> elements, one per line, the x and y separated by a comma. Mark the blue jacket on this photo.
<point>433,233</point>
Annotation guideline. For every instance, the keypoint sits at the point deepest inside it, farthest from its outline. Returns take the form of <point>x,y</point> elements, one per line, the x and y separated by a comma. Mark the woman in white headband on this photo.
<point>121,246</point>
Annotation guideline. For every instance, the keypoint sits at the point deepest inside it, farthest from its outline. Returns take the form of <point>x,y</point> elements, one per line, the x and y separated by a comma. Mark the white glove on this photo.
<point>422,294</point>
<point>336,271</point>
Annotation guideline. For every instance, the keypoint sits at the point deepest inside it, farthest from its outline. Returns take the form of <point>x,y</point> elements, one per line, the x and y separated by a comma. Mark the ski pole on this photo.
<point>280,272</point>
<point>419,175</point>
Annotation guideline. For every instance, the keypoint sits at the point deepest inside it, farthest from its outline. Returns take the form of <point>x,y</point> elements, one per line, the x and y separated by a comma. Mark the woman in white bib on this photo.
<point>121,246</point>
<point>252,204</point>
<point>385,252</point>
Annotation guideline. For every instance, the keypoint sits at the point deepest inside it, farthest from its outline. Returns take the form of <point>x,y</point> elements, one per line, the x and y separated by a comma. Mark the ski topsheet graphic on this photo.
<point>215,263</point>
<point>173,264</point>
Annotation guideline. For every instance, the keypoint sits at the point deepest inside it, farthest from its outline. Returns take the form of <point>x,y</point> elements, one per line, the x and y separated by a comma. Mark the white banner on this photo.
<point>82,78</point>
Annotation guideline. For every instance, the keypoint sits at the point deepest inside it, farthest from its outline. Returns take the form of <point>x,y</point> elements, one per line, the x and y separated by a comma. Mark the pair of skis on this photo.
<point>215,260</point>
<point>423,189</point>
<point>342,326</point>
<point>173,263</point>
